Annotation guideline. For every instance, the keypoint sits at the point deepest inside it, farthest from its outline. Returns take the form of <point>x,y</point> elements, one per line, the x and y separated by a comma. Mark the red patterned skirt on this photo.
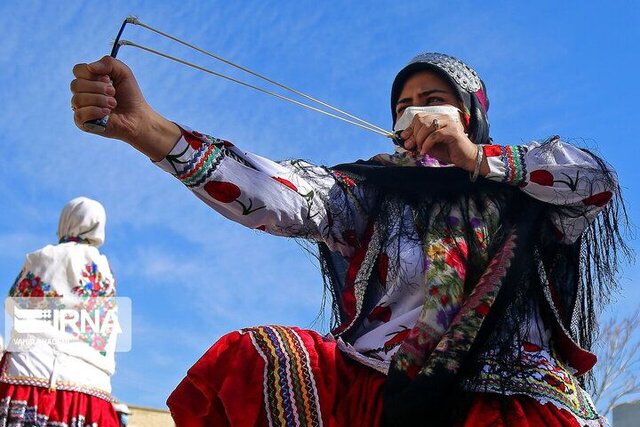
<point>279,376</point>
<point>27,406</point>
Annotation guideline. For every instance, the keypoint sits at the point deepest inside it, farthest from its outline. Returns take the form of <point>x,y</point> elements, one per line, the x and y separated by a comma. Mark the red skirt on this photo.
<point>27,406</point>
<point>280,376</point>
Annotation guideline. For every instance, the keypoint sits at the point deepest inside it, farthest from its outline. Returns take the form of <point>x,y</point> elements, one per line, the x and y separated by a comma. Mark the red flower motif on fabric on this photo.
<point>455,259</point>
<point>98,342</point>
<point>348,296</point>
<point>23,285</point>
<point>31,285</point>
<point>531,347</point>
<point>345,179</point>
<point>286,183</point>
<point>492,150</point>
<point>192,140</point>
<point>36,292</point>
<point>221,191</point>
<point>397,338</point>
<point>483,309</point>
<point>541,177</point>
<point>227,144</point>
<point>599,199</point>
<point>93,284</point>
<point>380,313</point>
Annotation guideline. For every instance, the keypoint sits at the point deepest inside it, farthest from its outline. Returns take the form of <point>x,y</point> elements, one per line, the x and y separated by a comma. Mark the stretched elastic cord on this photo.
<point>363,125</point>
<point>135,21</point>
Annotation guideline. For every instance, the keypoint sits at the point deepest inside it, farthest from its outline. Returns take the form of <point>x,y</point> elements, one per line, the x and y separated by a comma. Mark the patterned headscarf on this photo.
<point>468,86</point>
<point>82,220</point>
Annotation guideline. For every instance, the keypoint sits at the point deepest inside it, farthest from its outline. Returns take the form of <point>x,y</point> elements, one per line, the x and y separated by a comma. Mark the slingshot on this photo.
<point>100,125</point>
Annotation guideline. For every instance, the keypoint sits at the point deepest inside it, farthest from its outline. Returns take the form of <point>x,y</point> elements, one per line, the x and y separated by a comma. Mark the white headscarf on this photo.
<point>82,219</point>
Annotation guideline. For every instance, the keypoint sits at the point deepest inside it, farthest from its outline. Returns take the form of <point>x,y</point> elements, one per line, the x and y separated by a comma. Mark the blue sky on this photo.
<point>191,274</point>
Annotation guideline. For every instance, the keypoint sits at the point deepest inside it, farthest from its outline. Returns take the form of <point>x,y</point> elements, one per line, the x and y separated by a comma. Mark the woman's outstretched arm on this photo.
<point>291,198</point>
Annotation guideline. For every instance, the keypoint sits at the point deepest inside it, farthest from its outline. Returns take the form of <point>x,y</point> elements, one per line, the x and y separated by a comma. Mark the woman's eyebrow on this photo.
<point>425,94</point>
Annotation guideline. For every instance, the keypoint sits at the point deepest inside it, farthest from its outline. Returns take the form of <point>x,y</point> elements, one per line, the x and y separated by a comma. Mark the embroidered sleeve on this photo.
<point>557,173</point>
<point>291,198</point>
<point>28,284</point>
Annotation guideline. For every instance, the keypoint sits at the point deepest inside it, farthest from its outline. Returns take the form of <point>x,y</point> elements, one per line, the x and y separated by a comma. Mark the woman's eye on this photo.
<point>434,100</point>
<point>399,111</point>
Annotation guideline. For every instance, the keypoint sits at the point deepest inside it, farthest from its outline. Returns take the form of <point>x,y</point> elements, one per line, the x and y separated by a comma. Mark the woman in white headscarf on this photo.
<point>54,376</point>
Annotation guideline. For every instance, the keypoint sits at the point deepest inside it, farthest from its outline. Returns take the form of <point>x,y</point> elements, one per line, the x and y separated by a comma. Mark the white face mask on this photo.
<point>407,116</point>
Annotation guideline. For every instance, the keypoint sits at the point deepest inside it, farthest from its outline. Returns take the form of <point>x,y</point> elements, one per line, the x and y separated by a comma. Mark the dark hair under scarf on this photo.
<point>463,79</point>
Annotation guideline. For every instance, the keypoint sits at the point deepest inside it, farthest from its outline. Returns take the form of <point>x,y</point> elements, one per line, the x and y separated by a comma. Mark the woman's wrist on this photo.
<point>156,137</point>
<point>472,161</point>
<point>470,151</point>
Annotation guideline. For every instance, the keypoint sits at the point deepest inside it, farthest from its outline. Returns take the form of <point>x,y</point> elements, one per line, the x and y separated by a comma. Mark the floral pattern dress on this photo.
<point>279,198</point>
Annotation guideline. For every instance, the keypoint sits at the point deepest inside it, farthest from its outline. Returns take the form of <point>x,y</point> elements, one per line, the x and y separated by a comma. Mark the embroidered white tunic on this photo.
<point>73,275</point>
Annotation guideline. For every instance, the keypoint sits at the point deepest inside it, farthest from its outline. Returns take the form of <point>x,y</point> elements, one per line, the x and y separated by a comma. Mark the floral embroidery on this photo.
<point>428,347</point>
<point>435,251</point>
<point>93,284</point>
<point>97,294</point>
<point>29,285</point>
<point>96,291</point>
<point>455,258</point>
